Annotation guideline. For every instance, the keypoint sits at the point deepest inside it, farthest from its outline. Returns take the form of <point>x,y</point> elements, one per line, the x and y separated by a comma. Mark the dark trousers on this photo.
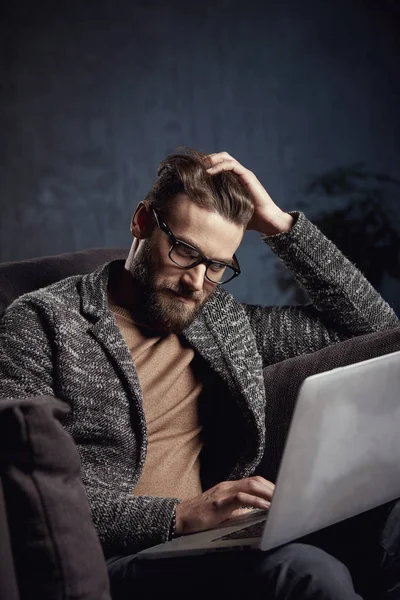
<point>357,558</point>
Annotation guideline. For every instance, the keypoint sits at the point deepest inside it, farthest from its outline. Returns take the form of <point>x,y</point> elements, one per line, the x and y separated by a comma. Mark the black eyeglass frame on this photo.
<point>202,258</point>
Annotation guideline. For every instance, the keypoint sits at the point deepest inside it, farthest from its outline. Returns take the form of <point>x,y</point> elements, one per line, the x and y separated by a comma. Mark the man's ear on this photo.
<point>142,221</point>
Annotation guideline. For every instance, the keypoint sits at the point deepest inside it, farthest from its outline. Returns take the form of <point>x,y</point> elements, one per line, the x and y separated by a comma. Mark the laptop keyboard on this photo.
<point>251,531</point>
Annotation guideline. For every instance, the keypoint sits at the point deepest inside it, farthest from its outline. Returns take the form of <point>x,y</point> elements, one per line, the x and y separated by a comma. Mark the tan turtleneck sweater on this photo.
<point>170,393</point>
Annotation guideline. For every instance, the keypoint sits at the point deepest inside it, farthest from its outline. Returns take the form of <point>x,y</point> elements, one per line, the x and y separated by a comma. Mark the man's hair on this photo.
<point>186,173</point>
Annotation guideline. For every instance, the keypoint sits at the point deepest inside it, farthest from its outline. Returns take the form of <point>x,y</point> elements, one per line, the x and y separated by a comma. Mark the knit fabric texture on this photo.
<point>63,341</point>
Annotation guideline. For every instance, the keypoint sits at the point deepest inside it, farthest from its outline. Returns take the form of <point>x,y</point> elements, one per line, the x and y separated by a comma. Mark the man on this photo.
<point>162,369</point>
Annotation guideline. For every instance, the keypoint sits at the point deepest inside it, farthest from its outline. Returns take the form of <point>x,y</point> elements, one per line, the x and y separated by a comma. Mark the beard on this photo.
<point>161,310</point>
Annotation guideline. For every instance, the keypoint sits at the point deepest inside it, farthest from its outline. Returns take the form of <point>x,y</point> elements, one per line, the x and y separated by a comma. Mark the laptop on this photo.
<point>341,458</point>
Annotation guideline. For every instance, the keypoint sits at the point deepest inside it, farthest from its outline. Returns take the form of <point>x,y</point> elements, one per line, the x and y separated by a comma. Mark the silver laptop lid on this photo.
<point>342,455</point>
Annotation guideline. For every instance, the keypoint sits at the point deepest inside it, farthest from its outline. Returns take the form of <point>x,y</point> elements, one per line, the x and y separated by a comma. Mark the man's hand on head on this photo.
<point>222,502</point>
<point>268,218</point>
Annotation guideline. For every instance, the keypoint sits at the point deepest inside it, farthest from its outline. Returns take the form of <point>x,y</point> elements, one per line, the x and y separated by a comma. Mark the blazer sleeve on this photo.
<point>344,303</point>
<point>26,350</point>
<point>126,523</point>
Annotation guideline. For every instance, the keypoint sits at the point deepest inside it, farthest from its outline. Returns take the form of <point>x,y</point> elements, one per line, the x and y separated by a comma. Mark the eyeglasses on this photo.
<point>186,256</point>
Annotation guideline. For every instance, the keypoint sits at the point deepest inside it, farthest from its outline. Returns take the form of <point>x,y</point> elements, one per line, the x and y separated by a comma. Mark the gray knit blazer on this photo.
<point>63,341</point>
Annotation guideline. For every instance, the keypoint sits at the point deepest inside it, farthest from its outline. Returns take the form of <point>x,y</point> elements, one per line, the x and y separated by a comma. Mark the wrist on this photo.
<point>279,222</point>
<point>178,522</point>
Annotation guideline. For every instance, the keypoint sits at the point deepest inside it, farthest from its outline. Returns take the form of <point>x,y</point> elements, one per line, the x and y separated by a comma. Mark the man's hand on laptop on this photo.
<point>222,502</point>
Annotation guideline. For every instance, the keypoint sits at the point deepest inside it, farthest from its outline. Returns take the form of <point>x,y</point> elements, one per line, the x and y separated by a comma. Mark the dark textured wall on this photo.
<point>95,94</point>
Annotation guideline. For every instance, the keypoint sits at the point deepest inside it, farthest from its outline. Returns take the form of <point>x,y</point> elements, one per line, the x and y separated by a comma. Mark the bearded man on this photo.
<point>162,368</point>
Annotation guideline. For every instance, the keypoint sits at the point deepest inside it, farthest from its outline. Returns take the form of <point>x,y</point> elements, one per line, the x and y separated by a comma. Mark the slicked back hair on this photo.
<point>186,173</point>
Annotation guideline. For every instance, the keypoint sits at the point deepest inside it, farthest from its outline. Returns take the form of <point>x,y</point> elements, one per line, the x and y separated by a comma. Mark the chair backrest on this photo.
<point>18,278</point>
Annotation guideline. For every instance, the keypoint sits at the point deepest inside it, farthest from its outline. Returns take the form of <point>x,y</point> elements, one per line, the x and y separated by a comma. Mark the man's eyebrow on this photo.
<point>228,261</point>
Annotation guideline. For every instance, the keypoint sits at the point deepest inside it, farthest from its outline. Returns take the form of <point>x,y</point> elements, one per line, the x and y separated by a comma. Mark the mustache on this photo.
<point>185,292</point>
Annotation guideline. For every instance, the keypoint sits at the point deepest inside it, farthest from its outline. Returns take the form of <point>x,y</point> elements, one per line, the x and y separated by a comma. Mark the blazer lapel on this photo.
<point>103,328</point>
<point>223,337</point>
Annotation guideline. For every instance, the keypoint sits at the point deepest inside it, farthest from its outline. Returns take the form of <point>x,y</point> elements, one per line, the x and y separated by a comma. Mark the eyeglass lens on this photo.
<point>184,256</point>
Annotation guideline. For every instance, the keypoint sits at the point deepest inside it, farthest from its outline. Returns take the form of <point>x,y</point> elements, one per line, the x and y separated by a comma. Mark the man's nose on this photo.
<point>194,277</point>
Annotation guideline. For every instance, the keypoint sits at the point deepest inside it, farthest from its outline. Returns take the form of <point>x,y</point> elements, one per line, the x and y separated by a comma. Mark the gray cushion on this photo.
<point>56,552</point>
<point>8,577</point>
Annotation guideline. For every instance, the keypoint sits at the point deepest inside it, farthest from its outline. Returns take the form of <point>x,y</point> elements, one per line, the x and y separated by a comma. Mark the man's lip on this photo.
<point>183,298</point>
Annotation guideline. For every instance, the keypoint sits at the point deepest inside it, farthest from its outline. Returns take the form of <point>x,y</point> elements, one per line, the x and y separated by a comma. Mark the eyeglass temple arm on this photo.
<point>162,225</point>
